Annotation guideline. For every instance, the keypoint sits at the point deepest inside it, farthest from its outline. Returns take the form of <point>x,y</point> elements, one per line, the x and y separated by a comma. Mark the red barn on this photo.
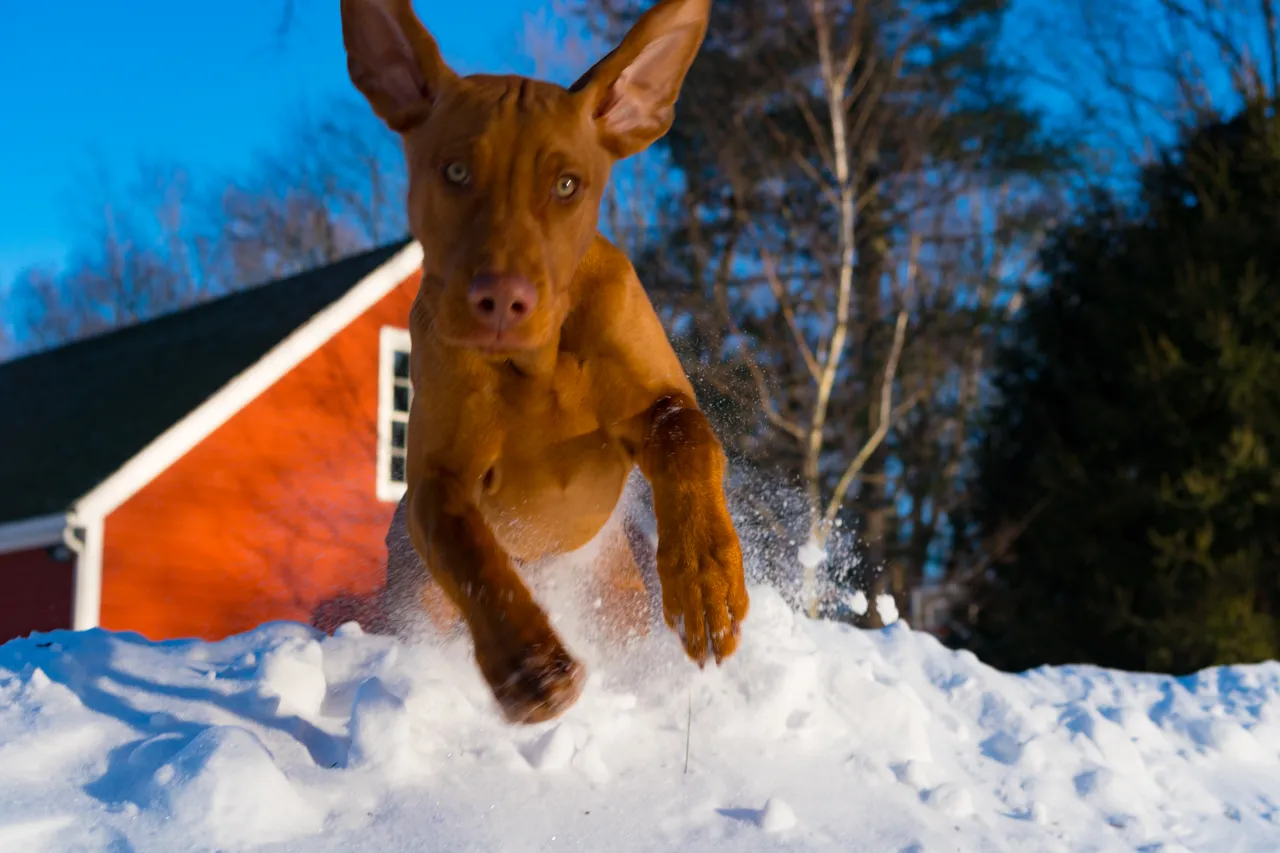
<point>197,474</point>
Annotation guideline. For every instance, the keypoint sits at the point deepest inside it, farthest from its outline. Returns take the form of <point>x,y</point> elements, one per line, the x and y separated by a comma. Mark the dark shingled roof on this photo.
<point>71,416</point>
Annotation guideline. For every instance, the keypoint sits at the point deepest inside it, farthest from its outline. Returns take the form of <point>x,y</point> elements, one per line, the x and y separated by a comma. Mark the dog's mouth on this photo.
<point>488,324</point>
<point>499,344</point>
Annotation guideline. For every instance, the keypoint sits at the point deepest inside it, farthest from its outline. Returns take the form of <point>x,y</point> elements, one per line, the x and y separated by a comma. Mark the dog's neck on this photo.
<point>536,364</point>
<point>532,367</point>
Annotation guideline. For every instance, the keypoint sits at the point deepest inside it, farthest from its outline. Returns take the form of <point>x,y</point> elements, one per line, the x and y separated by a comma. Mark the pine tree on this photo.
<point>1132,464</point>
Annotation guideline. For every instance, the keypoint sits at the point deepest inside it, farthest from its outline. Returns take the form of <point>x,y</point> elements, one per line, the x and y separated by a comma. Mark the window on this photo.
<point>395,391</point>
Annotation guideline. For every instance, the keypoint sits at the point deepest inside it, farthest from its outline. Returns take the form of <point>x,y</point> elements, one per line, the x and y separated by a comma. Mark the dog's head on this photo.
<point>506,173</point>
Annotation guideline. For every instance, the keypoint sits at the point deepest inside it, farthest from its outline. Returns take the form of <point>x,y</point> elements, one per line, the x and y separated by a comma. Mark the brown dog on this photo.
<point>541,373</point>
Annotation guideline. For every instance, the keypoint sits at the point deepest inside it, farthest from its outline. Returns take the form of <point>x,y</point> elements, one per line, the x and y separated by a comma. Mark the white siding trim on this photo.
<point>390,341</point>
<point>86,604</point>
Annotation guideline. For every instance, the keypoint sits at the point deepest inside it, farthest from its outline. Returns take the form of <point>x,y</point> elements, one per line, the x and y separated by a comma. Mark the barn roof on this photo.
<point>73,415</point>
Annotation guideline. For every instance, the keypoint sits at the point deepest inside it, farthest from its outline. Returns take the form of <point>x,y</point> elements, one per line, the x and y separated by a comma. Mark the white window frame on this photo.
<point>391,340</point>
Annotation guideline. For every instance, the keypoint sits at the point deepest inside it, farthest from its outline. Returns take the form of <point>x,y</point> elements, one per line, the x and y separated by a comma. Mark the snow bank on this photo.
<point>814,737</point>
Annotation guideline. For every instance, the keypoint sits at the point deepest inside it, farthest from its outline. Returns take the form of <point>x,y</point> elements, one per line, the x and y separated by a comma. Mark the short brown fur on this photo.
<point>528,418</point>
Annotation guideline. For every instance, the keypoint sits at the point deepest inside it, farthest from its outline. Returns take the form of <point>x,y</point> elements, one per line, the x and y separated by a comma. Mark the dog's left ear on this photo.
<point>632,92</point>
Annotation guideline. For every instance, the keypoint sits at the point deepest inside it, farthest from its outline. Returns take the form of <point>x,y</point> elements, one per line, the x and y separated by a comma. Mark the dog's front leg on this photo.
<point>704,592</point>
<point>532,675</point>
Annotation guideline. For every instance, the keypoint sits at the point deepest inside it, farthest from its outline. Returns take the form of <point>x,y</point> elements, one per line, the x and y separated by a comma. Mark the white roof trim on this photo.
<point>32,533</point>
<point>179,439</point>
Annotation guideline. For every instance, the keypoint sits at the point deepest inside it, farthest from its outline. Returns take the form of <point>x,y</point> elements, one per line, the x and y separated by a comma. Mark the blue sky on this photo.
<point>200,83</point>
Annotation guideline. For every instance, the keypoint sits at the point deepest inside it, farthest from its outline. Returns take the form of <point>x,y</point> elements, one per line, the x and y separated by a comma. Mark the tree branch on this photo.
<point>888,416</point>
<point>1273,44</point>
<point>720,288</point>
<point>788,311</point>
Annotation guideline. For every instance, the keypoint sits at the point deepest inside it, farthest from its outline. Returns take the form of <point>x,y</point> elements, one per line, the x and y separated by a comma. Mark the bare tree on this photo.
<point>832,262</point>
<point>1137,72</point>
<point>8,339</point>
<point>44,313</point>
<point>138,258</point>
<point>333,185</point>
<point>560,50</point>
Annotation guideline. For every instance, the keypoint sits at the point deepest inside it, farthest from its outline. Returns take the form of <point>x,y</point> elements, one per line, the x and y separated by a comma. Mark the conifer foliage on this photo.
<point>1130,472</point>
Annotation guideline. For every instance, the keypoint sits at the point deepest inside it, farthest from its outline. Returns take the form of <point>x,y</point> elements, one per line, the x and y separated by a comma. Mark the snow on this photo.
<point>811,554</point>
<point>777,816</point>
<point>887,608</point>
<point>815,736</point>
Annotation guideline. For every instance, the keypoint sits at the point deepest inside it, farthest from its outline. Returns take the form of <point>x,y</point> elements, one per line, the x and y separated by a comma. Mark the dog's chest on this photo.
<point>556,475</point>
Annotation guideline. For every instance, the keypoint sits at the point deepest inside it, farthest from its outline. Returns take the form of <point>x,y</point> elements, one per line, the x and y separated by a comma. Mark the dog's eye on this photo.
<point>457,173</point>
<point>566,186</point>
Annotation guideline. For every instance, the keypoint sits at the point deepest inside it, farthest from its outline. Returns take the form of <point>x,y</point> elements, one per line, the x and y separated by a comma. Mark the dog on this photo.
<point>542,375</point>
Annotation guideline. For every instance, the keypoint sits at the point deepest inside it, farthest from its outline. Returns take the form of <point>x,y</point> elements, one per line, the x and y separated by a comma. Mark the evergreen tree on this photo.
<point>1132,463</point>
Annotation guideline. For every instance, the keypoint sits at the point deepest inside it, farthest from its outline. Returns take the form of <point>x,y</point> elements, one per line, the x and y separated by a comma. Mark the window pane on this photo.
<point>398,431</point>
<point>397,469</point>
<point>402,365</point>
<point>401,399</point>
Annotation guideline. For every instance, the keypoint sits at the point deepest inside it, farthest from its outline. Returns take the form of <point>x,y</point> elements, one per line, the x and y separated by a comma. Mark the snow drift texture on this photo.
<point>815,736</point>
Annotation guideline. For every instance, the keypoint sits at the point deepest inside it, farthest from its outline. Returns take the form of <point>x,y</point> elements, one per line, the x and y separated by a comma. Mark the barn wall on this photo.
<point>35,592</point>
<point>274,515</point>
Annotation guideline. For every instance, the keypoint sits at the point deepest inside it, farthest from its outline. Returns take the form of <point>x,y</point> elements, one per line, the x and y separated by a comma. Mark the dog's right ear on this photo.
<point>393,60</point>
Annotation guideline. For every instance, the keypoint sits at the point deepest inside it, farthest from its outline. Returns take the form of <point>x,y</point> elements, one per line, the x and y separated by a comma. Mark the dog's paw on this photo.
<point>535,683</point>
<point>704,588</point>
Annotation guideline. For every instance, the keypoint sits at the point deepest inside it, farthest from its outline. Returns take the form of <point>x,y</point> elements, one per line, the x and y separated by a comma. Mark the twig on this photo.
<point>1006,542</point>
<point>788,311</point>
<point>688,732</point>
<point>768,516</point>
<point>771,412</point>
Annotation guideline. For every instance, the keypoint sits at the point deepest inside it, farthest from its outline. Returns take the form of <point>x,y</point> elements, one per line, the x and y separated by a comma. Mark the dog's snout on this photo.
<point>501,301</point>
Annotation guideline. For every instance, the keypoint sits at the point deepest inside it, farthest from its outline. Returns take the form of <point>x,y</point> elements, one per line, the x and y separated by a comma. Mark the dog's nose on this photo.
<point>501,301</point>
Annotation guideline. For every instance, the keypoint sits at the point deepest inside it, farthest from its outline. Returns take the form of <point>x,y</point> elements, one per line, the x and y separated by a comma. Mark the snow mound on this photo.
<point>226,786</point>
<point>815,736</point>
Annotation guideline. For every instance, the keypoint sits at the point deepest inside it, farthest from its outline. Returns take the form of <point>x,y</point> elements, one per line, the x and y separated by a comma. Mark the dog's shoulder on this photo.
<point>609,298</point>
<point>614,323</point>
<point>605,281</point>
